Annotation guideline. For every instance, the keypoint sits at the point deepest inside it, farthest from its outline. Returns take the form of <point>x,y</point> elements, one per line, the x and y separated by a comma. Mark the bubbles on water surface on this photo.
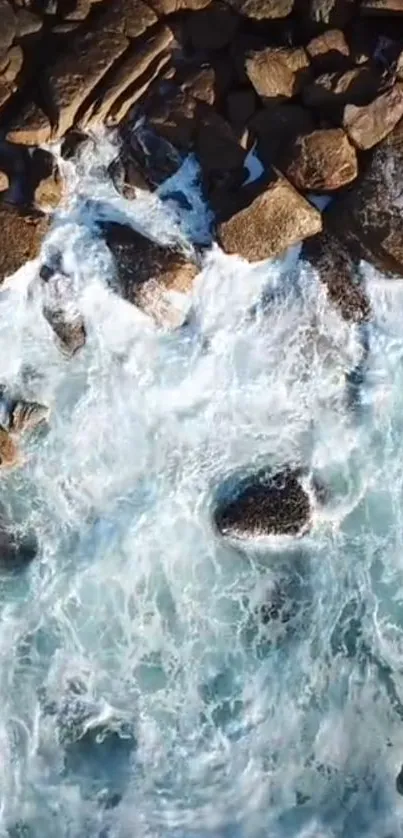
<point>154,680</point>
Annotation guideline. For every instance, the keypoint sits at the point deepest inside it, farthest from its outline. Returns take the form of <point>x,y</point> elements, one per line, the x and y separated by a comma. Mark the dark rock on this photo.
<point>29,126</point>
<point>21,236</point>
<point>335,90</point>
<point>263,9</point>
<point>332,12</point>
<point>16,549</point>
<point>211,28</point>
<point>167,7</point>
<point>329,52</point>
<point>28,23</point>
<point>60,309</point>
<point>399,781</point>
<point>72,142</point>
<point>240,107</point>
<point>265,503</point>
<point>339,273</point>
<point>321,161</point>
<point>174,117</point>
<point>216,144</point>
<point>146,272</point>
<point>145,161</point>
<point>278,73</point>
<point>275,129</point>
<point>366,126</point>
<point>381,7</point>
<point>8,27</point>
<point>45,180</point>
<point>200,84</point>
<point>266,217</point>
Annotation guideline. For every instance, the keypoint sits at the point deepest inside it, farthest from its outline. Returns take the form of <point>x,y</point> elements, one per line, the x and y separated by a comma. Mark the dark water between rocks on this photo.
<point>154,680</point>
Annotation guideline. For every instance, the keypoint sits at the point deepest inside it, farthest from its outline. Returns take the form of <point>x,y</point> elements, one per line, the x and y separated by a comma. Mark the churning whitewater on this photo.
<point>142,691</point>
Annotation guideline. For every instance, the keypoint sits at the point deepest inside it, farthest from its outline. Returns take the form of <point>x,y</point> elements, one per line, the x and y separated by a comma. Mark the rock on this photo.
<point>332,12</point>
<point>329,52</point>
<point>167,7</point>
<point>240,107</point>
<point>146,273</point>
<point>339,273</point>
<point>277,73</point>
<point>72,142</point>
<point>211,28</point>
<point>30,126</point>
<point>28,23</point>
<point>49,191</point>
<point>399,781</point>
<point>368,220</point>
<point>335,90</point>
<point>321,161</point>
<point>60,309</point>
<point>216,145</point>
<point>4,181</point>
<point>25,416</point>
<point>174,118</point>
<point>265,503</point>
<point>368,125</point>
<point>381,7</point>
<point>275,129</point>
<point>201,84</point>
<point>15,60</point>
<point>80,10</point>
<point>20,238</point>
<point>265,218</point>
<point>263,9</point>
<point>9,454</point>
<point>17,548</point>
<point>8,26</point>
<point>147,160</point>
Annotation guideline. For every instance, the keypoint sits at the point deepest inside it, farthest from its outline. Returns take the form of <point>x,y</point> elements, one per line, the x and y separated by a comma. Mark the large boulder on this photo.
<point>277,73</point>
<point>147,273</point>
<point>368,220</point>
<point>339,273</point>
<point>262,219</point>
<point>264,503</point>
<point>21,236</point>
<point>8,26</point>
<point>321,161</point>
<point>368,125</point>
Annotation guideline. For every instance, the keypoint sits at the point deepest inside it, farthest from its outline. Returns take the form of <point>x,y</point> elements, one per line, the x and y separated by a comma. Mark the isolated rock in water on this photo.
<point>9,454</point>
<point>147,272</point>
<point>321,161</point>
<point>368,125</point>
<point>338,272</point>
<point>61,312</point>
<point>21,237</point>
<point>265,218</point>
<point>399,781</point>
<point>265,503</point>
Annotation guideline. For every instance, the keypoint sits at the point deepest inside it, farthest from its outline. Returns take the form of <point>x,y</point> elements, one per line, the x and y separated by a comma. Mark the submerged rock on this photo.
<point>60,310</point>
<point>16,549</point>
<point>18,415</point>
<point>265,503</point>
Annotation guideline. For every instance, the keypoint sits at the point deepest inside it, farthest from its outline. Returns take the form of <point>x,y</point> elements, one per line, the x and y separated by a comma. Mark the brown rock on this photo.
<point>25,416</point>
<point>30,126</point>
<point>174,118</point>
<point>275,129</point>
<point>9,454</point>
<point>339,273</point>
<point>332,12</point>
<point>263,9</point>
<point>321,161</point>
<point>80,10</point>
<point>381,7</point>
<point>211,28</point>
<point>329,52</point>
<point>240,107</point>
<point>20,238</point>
<point>167,7</point>
<point>368,125</point>
<point>335,90</point>
<point>4,181</point>
<point>8,26</point>
<point>201,84</point>
<point>125,102</point>
<point>368,220</point>
<point>49,191</point>
<point>128,75</point>
<point>15,60</point>
<point>215,142</point>
<point>147,272</point>
<point>277,73</point>
<point>268,217</point>
<point>28,23</point>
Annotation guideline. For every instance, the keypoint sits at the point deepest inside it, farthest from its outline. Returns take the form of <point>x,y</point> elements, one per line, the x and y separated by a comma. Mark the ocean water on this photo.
<point>148,688</point>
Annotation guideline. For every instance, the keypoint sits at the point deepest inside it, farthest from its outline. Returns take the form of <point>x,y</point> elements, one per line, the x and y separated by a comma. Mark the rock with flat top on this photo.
<point>321,161</point>
<point>366,126</point>
<point>277,73</point>
<point>147,273</point>
<point>339,273</point>
<point>21,237</point>
<point>265,218</point>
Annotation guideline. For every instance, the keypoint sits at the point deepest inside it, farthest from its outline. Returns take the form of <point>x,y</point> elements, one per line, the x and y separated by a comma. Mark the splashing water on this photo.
<point>144,688</point>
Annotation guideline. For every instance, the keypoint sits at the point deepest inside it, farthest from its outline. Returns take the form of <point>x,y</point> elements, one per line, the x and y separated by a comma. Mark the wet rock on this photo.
<point>174,118</point>
<point>216,145</point>
<point>339,273</point>
<point>331,12</point>
<point>265,503</point>
<point>399,781</point>
<point>9,454</point>
<point>147,273</point>
<point>265,218</point>
<point>329,52</point>
<point>277,73</point>
<point>145,162</point>
<point>72,143</point>
<point>21,236</point>
<point>263,9</point>
<point>321,161</point>
<point>211,28</point>
<point>60,309</point>
<point>16,549</point>
<point>45,180</point>
<point>29,126</point>
<point>25,416</point>
<point>335,90</point>
<point>275,130</point>
<point>13,67</point>
<point>366,126</point>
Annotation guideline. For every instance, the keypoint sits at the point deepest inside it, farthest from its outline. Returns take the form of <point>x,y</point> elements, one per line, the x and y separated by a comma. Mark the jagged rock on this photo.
<point>28,23</point>
<point>368,220</point>
<point>25,416</point>
<point>263,9</point>
<point>275,129</point>
<point>144,162</point>
<point>321,161</point>
<point>9,454</point>
<point>20,238</point>
<point>266,217</point>
<point>8,26</point>
<point>30,126</point>
<point>381,7</point>
<point>174,118</point>
<point>335,90</point>
<point>277,73</point>
<point>332,12</point>
<point>147,272</point>
<point>329,52</point>
<point>59,308</point>
<point>339,273</point>
<point>211,28</point>
<point>368,125</point>
<point>129,77</point>
<point>265,503</point>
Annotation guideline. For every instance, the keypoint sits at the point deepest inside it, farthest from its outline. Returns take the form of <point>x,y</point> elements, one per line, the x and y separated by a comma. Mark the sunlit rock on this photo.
<point>264,503</point>
<point>9,454</point>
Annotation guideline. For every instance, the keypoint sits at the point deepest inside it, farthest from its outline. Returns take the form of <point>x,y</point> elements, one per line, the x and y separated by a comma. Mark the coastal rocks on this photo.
<point>264,503</point>
<point>277,74</point>
<point>329,52</point>
<point>8,26</point>
<point>381,7</point>
<point>276,129</point>
<point>367,126</point>
<point>21,235</point>
<point>339,273</point>
<point>321,161</point>
<point>263,9</point>
<point>212,28</point>
<point>60,309</point>
<point>17,548</point>
<point>265,218</point>
<point>29,126</point>
<point>332,91</point>
<point>9,454</point>
<point>331,12</point>
<point>147,273</point>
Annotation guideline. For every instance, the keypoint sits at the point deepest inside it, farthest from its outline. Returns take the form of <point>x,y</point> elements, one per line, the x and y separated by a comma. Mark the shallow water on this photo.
<point>144,688</point>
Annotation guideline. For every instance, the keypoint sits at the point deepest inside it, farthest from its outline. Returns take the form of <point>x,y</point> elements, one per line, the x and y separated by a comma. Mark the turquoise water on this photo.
<point>143,692</point>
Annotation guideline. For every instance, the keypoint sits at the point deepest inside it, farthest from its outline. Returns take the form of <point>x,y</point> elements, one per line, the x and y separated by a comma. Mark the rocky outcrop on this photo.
<point>147,273</point>
<point>368,125</point>
<point>264,218</point>
<point>262,504</point>
<point>21,236</point>
<point>321,161</point>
